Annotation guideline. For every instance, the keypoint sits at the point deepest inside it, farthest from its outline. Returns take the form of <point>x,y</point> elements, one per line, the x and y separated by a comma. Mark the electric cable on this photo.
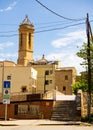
<point>57,13</point>
<point>59,28</point>
<point>46,30</point>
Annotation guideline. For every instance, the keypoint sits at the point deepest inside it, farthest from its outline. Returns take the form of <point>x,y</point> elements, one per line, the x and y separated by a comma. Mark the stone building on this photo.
<point>26,42</point>
<point>53,76</point>
<point>46,75</point>
<point>31,79</point>
<point>22,78</point>
<point>64,78</point>
<point>50,74</point>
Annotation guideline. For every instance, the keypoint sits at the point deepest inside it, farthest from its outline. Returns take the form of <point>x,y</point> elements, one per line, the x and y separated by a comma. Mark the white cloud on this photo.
<point>10,7</point>
<point>8,56</point>
<point>68,59</point>
<point>5,47</point>
<point>6,44</point>
<point>67,53</point>
<point>70,38</point>
<point>55,56</point>
<point>73,61</point>
<point>1,47</point>
<point>1,10</point>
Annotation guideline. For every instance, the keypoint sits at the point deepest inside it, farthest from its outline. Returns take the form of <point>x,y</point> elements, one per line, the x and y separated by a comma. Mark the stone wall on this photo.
<point>82,98</point>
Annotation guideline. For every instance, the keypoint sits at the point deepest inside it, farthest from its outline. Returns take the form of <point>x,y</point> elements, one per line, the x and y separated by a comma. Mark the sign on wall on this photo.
<point>6,92</point>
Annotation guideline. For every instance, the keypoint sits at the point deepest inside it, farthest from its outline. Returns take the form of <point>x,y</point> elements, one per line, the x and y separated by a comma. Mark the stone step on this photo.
<point>62,116</point>
<point>64,110</point>
<point>60,113</point>
<point>63,119</point>
<point>64,105</point>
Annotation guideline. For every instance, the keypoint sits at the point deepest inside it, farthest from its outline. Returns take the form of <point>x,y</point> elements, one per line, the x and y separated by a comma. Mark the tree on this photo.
<point>79,85</point>
<point>86,53</point>
<point>88,57</point>
<point>83,54</point>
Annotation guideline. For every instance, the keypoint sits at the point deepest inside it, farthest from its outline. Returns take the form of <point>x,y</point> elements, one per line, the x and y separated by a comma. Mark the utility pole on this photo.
<point>89,34</point>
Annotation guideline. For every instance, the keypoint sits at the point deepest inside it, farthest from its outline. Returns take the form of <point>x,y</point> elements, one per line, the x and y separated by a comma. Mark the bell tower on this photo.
<point>26,42</point>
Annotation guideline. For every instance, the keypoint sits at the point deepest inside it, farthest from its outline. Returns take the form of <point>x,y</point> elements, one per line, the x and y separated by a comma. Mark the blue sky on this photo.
<point>60,44</point>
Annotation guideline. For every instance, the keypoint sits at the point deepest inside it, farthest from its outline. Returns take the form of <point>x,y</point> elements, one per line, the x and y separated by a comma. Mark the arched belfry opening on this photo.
<point>26,42</point>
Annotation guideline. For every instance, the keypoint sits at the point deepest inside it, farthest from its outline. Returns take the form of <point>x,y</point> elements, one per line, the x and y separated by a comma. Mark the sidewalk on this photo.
<point>36,122</point>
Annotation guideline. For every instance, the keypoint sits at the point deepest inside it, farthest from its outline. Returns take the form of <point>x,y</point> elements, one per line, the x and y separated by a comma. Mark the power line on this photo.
<point>59,28</point>
<point>8,24</point>
<point>76,24</point>
<point>52,25</point>
<point>52,22</point>
<point>46,30</point>
<point>8,35</point>
<point>57,13</point>
<point>8,31</point>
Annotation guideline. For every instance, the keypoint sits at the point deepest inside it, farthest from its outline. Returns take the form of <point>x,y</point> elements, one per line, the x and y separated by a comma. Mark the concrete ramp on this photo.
<point>66,97</point>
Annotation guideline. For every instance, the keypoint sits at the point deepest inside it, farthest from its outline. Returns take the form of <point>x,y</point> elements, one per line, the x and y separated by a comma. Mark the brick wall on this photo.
<point>45,109</point>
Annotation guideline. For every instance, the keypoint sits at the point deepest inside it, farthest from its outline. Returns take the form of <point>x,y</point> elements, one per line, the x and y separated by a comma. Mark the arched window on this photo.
<point>21,36</point>
<point>29,40</point>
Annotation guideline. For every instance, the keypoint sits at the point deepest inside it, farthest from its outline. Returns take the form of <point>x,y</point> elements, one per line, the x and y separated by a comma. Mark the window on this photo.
<point>21,36</point>
<point>50,81</point>
<point>66,77</point>
<point>32,110</point>
<point>46,82</point>
<point>46,72</point>
<point>29,41</point>
<point>9,77</point>
<point>24,89</point>
<point>64,88</point>
<point>51,71</point>
<point>22,109</point>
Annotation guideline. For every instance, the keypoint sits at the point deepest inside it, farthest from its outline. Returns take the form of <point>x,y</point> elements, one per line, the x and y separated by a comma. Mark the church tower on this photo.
<point>26,42</point>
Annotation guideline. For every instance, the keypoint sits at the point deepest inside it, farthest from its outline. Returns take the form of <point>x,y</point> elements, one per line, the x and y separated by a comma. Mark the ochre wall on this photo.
<point>45,108</point>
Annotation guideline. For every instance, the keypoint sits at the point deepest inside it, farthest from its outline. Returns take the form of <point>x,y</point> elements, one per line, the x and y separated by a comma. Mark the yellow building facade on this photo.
<point>64,78</point>
<point>50,75</point>
<point>22,78</point>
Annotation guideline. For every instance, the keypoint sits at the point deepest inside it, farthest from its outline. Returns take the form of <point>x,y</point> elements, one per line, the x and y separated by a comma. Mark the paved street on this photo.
<point>43,125</point>
<point>49,127</point>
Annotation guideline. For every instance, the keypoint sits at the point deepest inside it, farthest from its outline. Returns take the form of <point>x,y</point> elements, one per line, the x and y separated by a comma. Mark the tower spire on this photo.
<point>26,20</point>
<point>26,42</point>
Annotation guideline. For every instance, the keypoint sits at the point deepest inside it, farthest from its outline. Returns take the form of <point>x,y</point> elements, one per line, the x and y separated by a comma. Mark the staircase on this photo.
<point>64,111</point>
